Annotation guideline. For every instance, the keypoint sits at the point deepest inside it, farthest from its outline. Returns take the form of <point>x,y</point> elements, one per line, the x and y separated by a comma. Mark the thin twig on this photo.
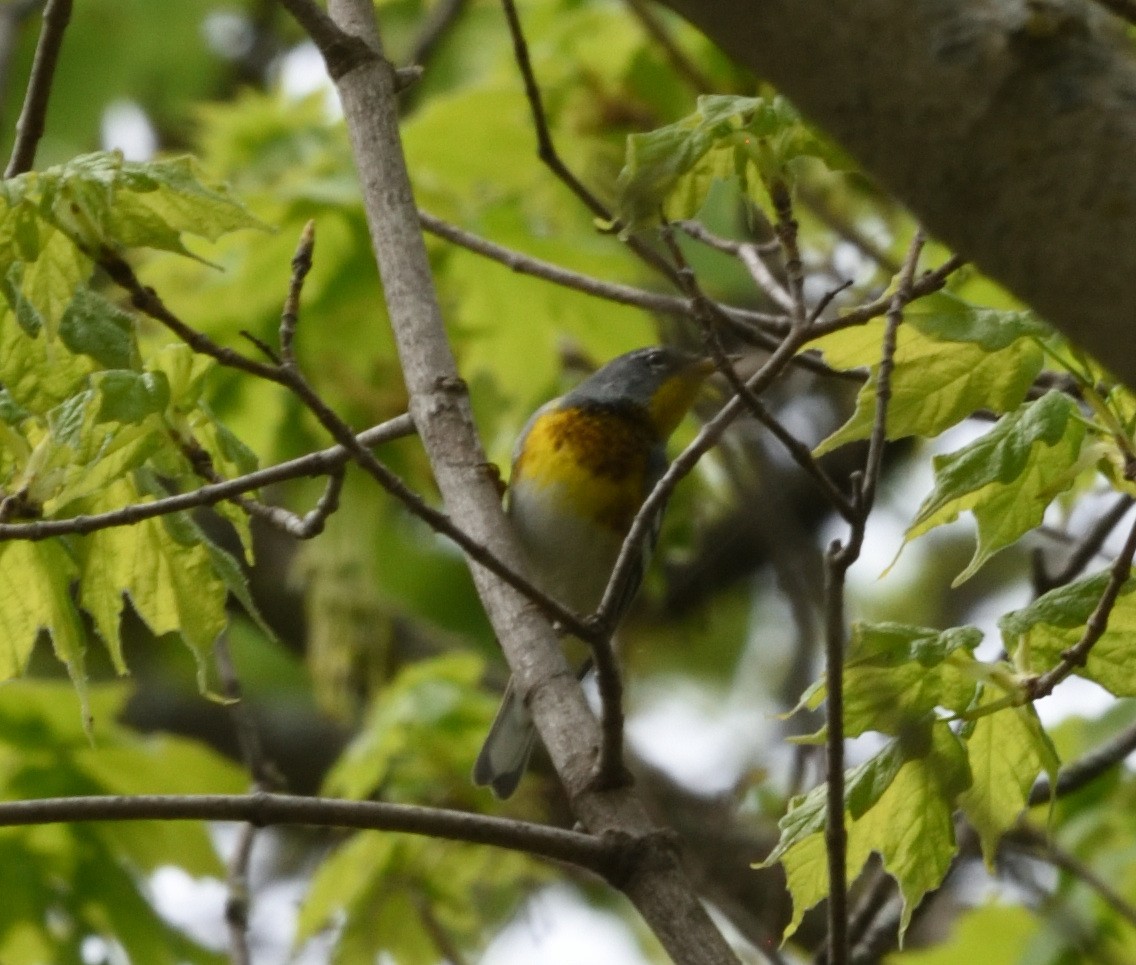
<point>290,316</point>
<point>835,833</point>
<point>763,278</point>
<point>803,457</point>
<point>262,810</point>
<point>30,126</point>
<point>872,902</point>
<point>264,779</point>
<point>878,438</point>
<point>785,228</point>
<point>308,526</point>
<point>546,148</point>
<point>610,771</point>
<point>826,299</point>
<point>838,560</point>
<point>264,774</point>
<point>727,246</point>
<point>1086,550</point>
<point>324,462</point>
<point>239,897</point>
<point>925,284</point>
<point>1076,655</point>
<point>1087,768</point>
<point>1033,842</point>
<point>12,17</point>
<point>706,314</point>
<point>774,325</point>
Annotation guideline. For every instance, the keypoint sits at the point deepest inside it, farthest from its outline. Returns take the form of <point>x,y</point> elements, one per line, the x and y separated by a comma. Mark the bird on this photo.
<point>583,466</point>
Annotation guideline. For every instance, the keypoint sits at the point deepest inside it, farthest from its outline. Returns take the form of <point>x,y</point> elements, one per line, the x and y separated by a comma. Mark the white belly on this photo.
<point>570,558</point>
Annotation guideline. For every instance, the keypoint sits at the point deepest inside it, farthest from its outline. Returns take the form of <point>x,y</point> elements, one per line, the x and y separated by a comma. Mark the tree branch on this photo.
<point>262,810</point>
<point>12,17</point>
<point>30,126</point>
<point>652,879</point>
<point>546,148</point>
<point>1078,654</point>
<point>523,264</point>
<point>1031,841</point>
<point>264,779</point>
<point>1019,111</point>
<point>1083,554</point>
<point>325,462</point>
<point>1086,769</point>
<point>838,560</point>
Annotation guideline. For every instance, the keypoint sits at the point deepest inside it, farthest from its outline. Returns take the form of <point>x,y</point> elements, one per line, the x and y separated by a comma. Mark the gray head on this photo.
<point>660,381</point>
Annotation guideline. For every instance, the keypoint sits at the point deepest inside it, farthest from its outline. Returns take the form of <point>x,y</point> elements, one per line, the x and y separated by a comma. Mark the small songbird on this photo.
<point>582,467</point>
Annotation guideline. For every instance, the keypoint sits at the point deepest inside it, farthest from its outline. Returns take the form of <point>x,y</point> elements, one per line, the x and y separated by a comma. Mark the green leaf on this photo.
<point>81,880</point>
<point>377,887</point>
<point>101,200</point>
<point>1007,750</point>
<point>911,786</point>
<point>88,449</point>
<point>160,764</point>
<point>433,704</point>
<point>95,202</point>
<point>1008,477</point>
<point>96,327</point>
<point>670,170</point>
<point>37,374</point>
<point>229,570</point>
<point>994,934</point>
<point>129,397</point>
<point>1037,635</point>
<point>35,595</point>
<point>948,318</point>
<point>952,359</point>
<point>895,675</point>
<point>38,291</point>
<point>167,570</point>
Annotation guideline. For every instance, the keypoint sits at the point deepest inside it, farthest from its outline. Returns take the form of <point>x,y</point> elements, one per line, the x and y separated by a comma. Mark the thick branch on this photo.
<point>1006,127</point>
<point>439,404</point>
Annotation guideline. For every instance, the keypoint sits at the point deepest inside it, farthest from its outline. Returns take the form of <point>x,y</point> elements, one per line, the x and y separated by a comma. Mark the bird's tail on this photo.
<point>505,753</point>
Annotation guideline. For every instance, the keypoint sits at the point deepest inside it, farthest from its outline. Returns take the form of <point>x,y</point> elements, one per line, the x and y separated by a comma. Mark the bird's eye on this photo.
<point>657,360</point>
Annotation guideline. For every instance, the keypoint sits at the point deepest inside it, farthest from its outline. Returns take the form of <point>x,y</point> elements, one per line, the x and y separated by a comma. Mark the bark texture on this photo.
<point>1007,126</point>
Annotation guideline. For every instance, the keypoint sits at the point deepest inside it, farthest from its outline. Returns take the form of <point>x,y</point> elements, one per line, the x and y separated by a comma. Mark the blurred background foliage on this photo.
<point>380,675</point>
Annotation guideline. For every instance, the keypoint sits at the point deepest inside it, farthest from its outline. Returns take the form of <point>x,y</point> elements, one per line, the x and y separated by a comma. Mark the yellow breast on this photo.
<point>596,461</point>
